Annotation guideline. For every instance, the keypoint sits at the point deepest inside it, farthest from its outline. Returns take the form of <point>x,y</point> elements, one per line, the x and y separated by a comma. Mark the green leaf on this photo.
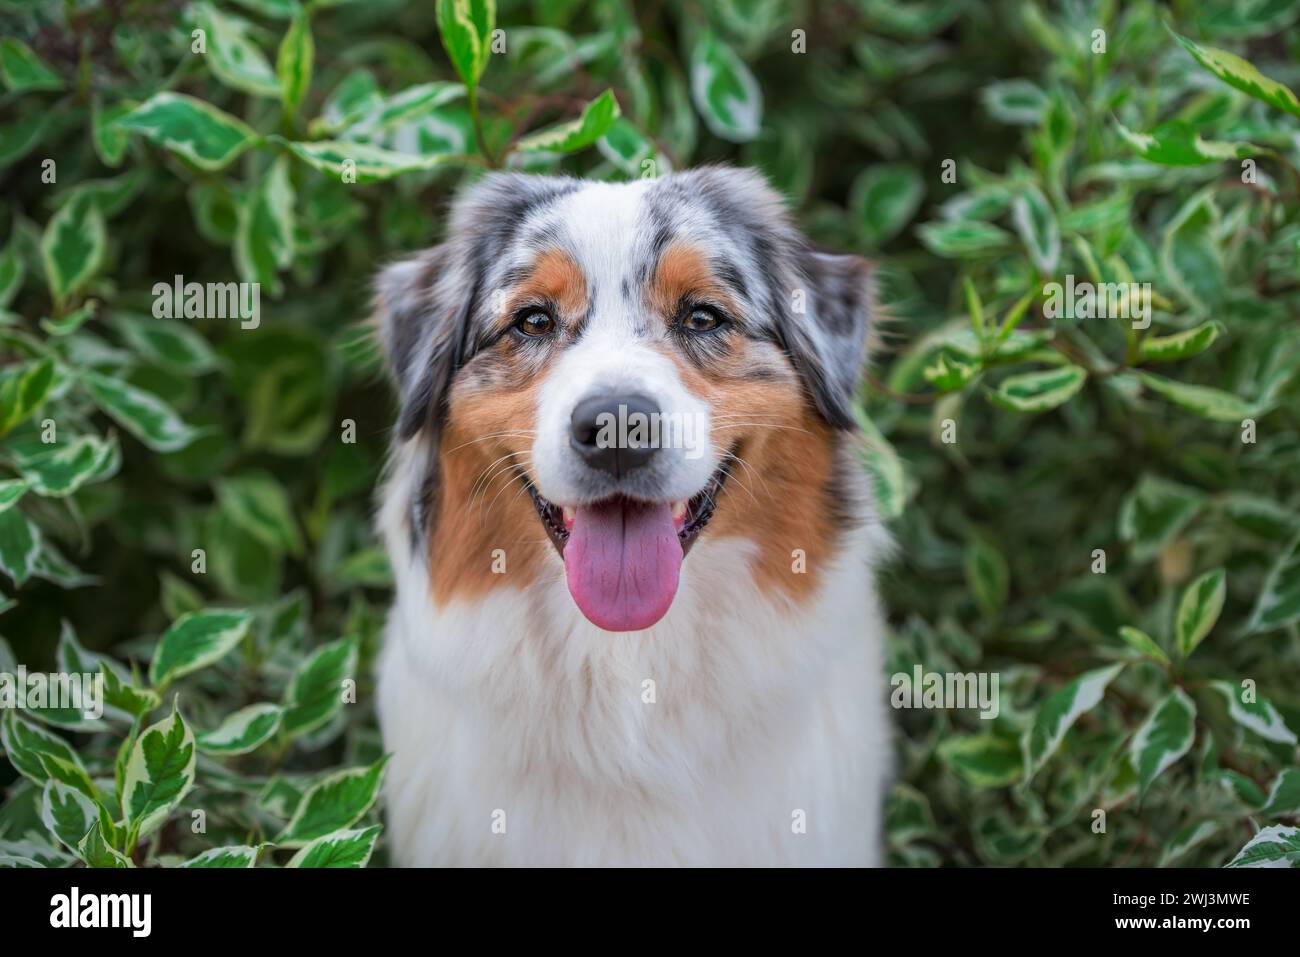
<point>19,138</point>
<point>724,90</point>
<point>229,856</point>
<point>136,702</point>
<point>983,760</point>
<point>627,148</point>
<point>1284,795</point>
<point>244,731</point>
<point>1036,223</point>
<point>72,248</point>
<point>64,468</point>
<point>1019,102</point>
<point>11,274</point>
<point>1039,391</point>
<point>72,321</point>
<point>23,70</point>
<point>1198,610</point>
<point>20,545</point>
<point>315,693</point>
<point>141,413</point>
<point>466,29</point>
<point>884,199</point>
<point>40,755</point>
<point>110,140</point>
<point>159,773</point>
<point>195,641</point>
<point>907,815</point>
<point>888,476</point>
<point>1206,402</point>
<point>166,343</point>
<point>1180,345</point>
<point>963,238</point>
<point>1101,214</point>
<point>368,567</point>
<point>1144,644</point>
<point>1153,514</point>
<point>1188,838</point>
<point>341,849</point>
<point>949,374</point>
<point>335,803</point>
<point>987,575</point>
<point>67,813</point>
<point>1278,604</point>
<point>369,164</point>
<point>1178,143</point>
<point>22,391</point>
<point>1242,75</point>
<point>264,243</point>
<point>198,131</point>
<point>1274,846</point>
<point>596,119</point>
<point>1164,737</point>
<point>293,63</point>
<point>178,596</point>
<point>375,115</point>
<point>97,851</point>
<point>1257,715</point>
<point>11,490</point>
<point>1190,252</point>
<point>235,59</point>
<point>1059,712</point>
<point>259,504</point>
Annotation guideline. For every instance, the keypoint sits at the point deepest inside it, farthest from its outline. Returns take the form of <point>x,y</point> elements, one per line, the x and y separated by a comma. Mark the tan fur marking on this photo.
<point>490,425</point>
<point>555,277</point>
<point>781,497</point>
<point>684,270</point>
<point>481,503</point>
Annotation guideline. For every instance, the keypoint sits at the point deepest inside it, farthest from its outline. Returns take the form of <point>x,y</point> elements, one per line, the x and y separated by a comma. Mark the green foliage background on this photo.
<point>1105,517</point>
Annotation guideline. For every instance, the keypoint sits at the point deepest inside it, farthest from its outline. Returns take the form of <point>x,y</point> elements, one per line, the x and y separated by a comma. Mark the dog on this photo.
<point>604,650</point>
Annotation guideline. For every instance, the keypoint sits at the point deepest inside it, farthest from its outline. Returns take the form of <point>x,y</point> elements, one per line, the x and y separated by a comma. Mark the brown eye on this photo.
<point>535,323</point>
<point>701,319</point>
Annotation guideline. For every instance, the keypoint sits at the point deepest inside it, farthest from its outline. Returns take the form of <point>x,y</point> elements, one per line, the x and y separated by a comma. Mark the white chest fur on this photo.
<point>735,732</point>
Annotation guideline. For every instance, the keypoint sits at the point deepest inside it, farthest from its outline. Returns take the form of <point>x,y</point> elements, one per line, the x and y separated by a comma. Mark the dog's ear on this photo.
<point>820,303</point>
<point>426,305</point>
<point>421,325</point>
<point>828,340</point>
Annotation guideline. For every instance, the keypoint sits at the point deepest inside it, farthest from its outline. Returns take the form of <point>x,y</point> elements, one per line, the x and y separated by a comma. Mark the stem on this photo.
<point>492,161</point>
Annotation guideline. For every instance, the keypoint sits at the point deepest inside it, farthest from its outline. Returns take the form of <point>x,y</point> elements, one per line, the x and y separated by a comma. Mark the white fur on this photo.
<point>514,709</point>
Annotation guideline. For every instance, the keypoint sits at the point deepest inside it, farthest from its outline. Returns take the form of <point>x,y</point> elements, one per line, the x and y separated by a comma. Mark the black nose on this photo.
<point>613,433</point>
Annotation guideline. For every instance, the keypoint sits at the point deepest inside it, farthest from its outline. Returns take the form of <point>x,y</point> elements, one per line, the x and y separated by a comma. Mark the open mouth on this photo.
<point>622,555</point>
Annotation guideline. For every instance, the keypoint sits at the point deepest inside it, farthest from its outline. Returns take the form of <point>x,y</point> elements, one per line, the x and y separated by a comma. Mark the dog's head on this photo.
<point>620,366</point>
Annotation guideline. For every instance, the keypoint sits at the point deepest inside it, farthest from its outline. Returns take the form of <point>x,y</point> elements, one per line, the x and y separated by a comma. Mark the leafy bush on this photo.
<point>1102,514</point>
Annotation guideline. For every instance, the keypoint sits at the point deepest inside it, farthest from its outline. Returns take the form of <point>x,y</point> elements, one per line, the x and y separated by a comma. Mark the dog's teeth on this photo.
<point>570,514</point>
<point>679,510</point>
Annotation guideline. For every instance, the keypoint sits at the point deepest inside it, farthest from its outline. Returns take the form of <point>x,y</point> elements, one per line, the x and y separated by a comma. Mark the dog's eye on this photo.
<point>702,319</point>
<point>535,322</point>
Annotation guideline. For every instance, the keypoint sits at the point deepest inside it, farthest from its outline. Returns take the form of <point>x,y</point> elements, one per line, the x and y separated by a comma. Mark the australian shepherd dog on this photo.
<point>635,620</point>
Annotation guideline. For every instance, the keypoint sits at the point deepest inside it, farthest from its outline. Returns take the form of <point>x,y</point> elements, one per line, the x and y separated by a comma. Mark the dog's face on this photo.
<point>618,367</point>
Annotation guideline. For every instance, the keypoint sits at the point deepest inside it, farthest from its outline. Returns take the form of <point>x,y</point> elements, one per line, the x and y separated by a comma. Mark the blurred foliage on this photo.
<point>1100,512</point>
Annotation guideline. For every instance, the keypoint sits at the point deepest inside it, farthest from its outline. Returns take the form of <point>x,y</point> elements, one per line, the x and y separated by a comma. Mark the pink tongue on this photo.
<point>621,560</point>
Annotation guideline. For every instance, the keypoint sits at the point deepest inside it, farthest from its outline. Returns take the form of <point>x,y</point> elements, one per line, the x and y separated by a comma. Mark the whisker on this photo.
<point>493,435</point>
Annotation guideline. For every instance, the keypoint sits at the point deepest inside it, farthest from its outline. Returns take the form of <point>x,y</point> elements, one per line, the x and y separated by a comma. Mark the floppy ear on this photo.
<point>821,303</point>
<point>425,304</point>
<point>421,325</point>
<point>828,343</point>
